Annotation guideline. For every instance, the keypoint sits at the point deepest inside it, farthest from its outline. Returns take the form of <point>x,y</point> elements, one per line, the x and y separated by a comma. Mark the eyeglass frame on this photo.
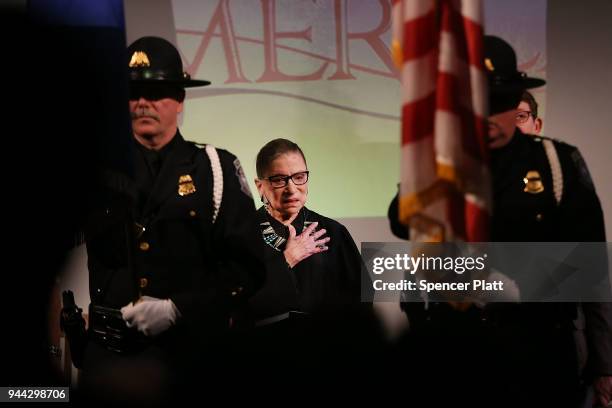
<point>529,113</point>
<point>286,179</point>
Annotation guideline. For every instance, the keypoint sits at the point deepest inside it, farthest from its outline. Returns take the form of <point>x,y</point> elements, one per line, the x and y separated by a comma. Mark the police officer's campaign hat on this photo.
<point>501,68</point>
<point>154,60</point>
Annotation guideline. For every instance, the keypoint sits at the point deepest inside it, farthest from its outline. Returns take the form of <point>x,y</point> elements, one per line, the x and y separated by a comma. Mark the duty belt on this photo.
<point>107,328</point>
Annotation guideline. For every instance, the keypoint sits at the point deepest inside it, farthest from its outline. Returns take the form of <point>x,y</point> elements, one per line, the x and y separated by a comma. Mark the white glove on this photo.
<point>150,315</point>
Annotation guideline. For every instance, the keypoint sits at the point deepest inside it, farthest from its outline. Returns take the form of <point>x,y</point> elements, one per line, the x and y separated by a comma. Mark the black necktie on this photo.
<point>154,162</point>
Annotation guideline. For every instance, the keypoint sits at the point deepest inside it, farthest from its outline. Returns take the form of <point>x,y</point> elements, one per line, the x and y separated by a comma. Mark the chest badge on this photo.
<point>185,185</point>
<point>533,182</point>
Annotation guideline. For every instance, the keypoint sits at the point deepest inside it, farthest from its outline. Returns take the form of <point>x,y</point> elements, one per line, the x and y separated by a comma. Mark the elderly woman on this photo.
<point>309,312</point>
<point>313,265</point>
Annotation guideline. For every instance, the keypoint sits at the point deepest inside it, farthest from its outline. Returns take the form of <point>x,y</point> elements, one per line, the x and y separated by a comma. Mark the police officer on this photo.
<point>542,191</point>
<point>171,250</point>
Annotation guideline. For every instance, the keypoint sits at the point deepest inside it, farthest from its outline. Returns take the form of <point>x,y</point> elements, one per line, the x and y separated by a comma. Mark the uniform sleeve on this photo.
<point>598,326</point>
<point>582,212</point>
<point>580,206</point>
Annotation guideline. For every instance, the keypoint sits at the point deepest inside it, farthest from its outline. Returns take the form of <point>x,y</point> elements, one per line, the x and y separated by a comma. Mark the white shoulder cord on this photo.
<point>217,173</point>
<point>555,169</point>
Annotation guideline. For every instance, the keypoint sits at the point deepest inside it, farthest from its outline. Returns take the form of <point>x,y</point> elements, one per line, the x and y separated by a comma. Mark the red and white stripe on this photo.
<point>445,179</point>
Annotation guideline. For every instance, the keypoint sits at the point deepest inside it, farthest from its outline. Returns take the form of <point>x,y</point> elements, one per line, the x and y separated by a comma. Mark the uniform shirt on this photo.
<point>147,164</point>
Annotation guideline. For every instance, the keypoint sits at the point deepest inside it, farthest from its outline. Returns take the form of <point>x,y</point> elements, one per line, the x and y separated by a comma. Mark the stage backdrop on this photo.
<point>348,117</point>
<point>318,72</point>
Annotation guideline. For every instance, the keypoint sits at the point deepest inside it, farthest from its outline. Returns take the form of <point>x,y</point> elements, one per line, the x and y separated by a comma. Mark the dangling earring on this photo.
<point>265,201</point>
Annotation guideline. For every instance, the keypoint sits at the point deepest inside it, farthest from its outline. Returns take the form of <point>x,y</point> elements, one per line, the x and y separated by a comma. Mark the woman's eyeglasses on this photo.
<point>281,181</point>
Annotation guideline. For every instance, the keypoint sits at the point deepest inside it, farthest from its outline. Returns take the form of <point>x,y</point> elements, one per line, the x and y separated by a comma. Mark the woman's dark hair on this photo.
<point>271,151</point>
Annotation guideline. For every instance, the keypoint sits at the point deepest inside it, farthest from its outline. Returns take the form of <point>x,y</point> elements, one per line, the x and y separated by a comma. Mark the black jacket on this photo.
<point>535,216</point>
<point>167,246</point>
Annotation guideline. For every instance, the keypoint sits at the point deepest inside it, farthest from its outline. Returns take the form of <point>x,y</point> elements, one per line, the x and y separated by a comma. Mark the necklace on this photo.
<point>270,236</point>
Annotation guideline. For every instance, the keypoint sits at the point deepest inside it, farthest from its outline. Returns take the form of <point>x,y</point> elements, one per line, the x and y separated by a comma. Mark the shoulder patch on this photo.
<point>583,172</point>
<point>244,185</point>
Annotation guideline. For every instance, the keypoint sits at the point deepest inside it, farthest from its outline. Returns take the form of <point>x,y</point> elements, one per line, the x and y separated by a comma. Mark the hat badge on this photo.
<point>139,59</point>
<point>489,64</point>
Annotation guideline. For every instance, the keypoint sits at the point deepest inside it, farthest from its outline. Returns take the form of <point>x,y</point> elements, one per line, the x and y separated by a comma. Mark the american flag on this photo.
<point>445,178</point>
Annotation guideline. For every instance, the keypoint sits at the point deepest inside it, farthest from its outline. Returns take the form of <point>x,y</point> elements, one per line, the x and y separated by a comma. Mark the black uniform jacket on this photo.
<point>535,216</point>
<point>519,215</point>
<point>155,236</point>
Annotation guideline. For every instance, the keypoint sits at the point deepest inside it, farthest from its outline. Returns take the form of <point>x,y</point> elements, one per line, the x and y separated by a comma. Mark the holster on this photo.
<point>73,325</point>
<point>107,328</point>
